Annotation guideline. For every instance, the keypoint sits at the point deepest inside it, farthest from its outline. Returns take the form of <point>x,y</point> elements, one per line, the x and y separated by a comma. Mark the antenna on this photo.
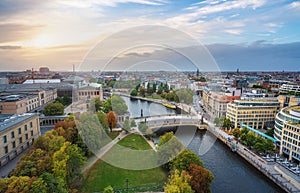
<point>32,74</point>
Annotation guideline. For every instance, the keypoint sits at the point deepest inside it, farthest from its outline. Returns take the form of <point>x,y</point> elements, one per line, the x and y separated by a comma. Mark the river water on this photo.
<point>232,173</point>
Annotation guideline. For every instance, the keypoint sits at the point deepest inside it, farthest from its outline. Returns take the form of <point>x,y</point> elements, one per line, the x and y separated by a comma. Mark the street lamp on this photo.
<point>126,185</point>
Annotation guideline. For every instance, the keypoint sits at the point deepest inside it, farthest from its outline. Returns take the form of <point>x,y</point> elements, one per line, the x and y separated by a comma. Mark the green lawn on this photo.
<point>135,141</point>
<point>103,174</point>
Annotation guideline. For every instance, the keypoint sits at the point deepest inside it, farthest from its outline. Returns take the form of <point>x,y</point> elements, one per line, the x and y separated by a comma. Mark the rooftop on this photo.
<point>9,120</point>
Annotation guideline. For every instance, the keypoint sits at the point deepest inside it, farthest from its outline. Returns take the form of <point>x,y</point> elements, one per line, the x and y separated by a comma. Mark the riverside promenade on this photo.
<point>269,169</point>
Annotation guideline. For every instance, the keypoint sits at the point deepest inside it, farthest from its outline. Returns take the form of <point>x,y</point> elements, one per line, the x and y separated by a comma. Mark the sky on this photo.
<point>245,34</point>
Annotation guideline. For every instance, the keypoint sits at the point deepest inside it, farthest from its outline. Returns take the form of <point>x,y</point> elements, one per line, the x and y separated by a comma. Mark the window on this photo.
<point>25,127</point>
<point>4,139</point>
<point>19,131</point>
<point>30,124</point>
<point>26,136</point>
<point>12,134</point>
<point>31,132</point>
<point>20,140</point>
<point>6,149</point>
<point>13,144</point>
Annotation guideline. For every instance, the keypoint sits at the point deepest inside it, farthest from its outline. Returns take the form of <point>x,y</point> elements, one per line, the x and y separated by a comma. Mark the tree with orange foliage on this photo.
<point>201,178</point>
<point>111,119</point>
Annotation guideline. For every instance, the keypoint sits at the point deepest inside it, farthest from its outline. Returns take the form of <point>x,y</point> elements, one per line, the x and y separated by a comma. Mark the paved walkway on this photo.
<point>104,150</point>
<point>6,169</point>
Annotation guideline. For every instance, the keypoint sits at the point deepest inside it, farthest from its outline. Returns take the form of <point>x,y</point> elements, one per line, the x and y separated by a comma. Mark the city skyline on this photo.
<point>249,35</point>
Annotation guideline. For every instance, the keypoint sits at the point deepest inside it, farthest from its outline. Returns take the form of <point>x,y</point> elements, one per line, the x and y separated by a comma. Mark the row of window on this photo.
<point>13,144</point>
<point>12,134</point>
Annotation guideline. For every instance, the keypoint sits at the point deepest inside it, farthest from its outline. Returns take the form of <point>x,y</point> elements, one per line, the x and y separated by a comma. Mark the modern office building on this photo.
<point>288,100</point>
<point>287,131</point>
<point>257,114</point>
<point>17,133</point>
<point>290,88</point>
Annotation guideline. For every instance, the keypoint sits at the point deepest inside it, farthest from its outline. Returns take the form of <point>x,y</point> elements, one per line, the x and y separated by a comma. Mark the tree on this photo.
<point>201,178</point>
<point>269,145</point>
<point>250,139</point>
<point>106,106</point>
<point>142,91</point>
<point>53,185</point>
<point>184,160</point>
<point>118,105</point>
<point>169,147</point>
<point>112,120</point>
<point>38,186</point>
<point>185,95</point>
<point>108,189</point>
<point>226,123</point>
<point>133,123</point>
<point>68,162</point>
<point>143,127</point>
<point>19,184</point>
<point>178,182</point>
<point>154,87</point>
<point>270,132</point>
<point>53,109</point>
<point>236,133</point>
<point>103,120</point>
<point>133,92</point>
<point>95,104</point>
<point>126,126</point>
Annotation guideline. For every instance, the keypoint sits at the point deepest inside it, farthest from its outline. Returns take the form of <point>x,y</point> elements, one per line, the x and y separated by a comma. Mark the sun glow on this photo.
<point>42,41</point>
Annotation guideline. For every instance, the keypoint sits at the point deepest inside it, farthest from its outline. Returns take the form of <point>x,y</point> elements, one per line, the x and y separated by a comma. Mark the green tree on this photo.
<point>269,145</point>
<point>106,106</point>
<point>178,182</point>
<point>226,123</point>
<point>53,109</point>
<point>126,126</point>
<point>133,123</point>
<point>143,127</point>
<point>169,147</point>
<point>133,92</point>
<point>201,178</point>
<point>270,132</point>
<point>108,189</point>
<point>95,104</point>
<point>184,160</point>
<point>53,185</point>
<point>236,133</point>
<point>185,95</point>
<point>250,139</point>
<point>118,105</point>
<point>103,120</point>
<point>38,186</point>
<point>68,162</point>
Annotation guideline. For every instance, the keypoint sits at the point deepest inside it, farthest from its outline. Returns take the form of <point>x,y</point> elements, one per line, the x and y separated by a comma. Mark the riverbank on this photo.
<point>266,168</point>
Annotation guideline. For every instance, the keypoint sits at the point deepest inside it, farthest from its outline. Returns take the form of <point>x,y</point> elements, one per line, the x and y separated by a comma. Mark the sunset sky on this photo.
<point>59,33</point>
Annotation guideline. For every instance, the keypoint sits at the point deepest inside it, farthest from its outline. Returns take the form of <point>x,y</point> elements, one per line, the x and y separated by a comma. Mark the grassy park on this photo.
<point>103,174</point>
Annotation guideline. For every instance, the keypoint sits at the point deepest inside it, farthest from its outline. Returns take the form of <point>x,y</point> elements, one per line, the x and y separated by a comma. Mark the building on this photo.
<point>13,104</point>
<point>287,131</point>
<point>290,89</point>
<point>258,114</point>
<point>90,91</point>
<point>17,133</point>
<point>288,100</point>
<point>215,103</point>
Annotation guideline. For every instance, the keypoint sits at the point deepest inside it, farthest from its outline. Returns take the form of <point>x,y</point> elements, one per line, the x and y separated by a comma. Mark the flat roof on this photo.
<point>36,81</point>
<point>9,120</point>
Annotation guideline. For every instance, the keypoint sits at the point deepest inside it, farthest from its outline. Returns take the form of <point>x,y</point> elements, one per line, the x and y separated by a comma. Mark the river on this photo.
<point>232,173</point>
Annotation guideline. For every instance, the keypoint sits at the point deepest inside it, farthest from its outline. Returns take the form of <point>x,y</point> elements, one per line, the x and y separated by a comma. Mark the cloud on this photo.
<point>10,47</point>
<point>17,32</point>
<point>234,31</point>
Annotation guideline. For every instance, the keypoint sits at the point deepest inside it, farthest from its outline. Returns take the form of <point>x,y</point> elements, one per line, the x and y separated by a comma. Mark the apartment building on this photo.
<point>287,130</point>
<point>257,114</point>
<point>215,103</point>
<point>17,133</point>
